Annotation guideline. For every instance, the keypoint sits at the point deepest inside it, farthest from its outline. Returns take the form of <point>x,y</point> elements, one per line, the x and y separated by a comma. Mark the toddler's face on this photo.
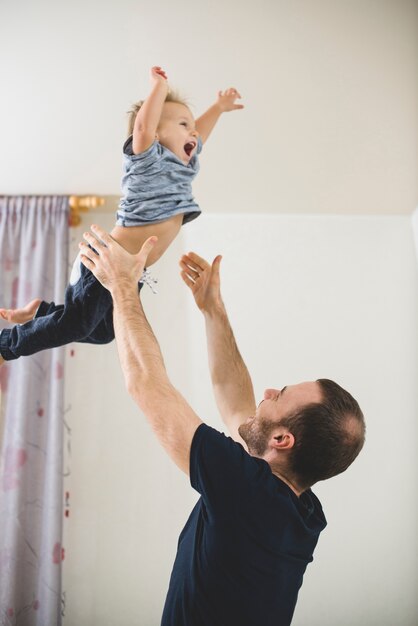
<point>176,130</point>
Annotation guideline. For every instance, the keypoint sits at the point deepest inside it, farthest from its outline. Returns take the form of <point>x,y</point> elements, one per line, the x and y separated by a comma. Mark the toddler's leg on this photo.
<point>102,333</point>
<point>87,305</point>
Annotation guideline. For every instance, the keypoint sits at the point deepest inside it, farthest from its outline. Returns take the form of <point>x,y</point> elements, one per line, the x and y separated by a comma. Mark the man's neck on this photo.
<point>281,473</point>
<point>289,483</point>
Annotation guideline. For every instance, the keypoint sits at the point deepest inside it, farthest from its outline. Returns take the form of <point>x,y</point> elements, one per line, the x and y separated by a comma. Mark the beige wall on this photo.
<point>330,88</point>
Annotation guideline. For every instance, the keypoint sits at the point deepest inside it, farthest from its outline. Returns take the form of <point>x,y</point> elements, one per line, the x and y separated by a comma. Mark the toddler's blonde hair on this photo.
<point>172,96</point>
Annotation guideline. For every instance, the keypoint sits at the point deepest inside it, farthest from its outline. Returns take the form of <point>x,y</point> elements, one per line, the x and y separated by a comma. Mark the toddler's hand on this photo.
<point>226,100</point>
<point>158,75</point>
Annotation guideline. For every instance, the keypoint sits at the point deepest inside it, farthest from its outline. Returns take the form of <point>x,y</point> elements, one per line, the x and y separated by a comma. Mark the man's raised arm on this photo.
<point>170,416</point>
<point>231,381</point>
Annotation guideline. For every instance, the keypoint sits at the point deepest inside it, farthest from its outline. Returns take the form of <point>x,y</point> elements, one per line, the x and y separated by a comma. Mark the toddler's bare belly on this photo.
<point>131,238</point>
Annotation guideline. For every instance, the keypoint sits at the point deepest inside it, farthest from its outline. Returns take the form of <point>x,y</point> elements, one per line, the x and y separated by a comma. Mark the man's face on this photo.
<point>276,404</point>
<point>176,131</point>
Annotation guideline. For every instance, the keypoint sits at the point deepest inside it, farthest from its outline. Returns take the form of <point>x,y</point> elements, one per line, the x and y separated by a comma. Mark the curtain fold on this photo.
<point>33,263</point>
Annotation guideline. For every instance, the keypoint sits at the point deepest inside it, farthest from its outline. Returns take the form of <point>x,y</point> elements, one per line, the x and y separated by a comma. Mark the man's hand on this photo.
<point>226,100</point>
<point>111,264</point>
<point>203,280</point>
<point>158,75</point>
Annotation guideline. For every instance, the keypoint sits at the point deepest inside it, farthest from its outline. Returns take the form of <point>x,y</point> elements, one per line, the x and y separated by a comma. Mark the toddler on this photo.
<point>160,163</point>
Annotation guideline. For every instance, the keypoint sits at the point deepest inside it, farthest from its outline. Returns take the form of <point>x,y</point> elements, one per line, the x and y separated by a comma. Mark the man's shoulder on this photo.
<point>208,435</point>
<point>213,453</point>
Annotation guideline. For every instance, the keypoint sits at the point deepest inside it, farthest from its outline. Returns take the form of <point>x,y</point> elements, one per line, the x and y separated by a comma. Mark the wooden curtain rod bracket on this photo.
<point>81,204</point>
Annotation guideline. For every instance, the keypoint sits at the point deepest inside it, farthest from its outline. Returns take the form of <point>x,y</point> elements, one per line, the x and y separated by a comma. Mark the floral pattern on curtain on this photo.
<point>33,263</point>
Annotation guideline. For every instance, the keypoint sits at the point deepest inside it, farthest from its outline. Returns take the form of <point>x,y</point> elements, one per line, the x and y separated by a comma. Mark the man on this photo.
<point>243,552</point>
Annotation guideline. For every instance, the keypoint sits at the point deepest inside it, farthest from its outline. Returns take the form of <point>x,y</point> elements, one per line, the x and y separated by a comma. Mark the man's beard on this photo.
<point>256,435</point>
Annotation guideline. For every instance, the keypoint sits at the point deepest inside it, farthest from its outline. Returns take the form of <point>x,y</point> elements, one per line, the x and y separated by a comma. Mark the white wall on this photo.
<point>308,297</point>
<point>330,88</point>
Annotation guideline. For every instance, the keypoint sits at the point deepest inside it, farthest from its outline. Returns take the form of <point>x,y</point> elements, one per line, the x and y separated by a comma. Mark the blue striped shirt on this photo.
<point>156,185</point>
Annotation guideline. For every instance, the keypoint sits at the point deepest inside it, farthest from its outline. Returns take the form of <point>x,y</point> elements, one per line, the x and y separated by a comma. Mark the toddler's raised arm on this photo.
<point>148,116</point>
<point>225,102</point>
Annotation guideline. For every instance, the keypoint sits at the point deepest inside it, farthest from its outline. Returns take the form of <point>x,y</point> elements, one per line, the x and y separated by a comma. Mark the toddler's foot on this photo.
<point>20,316</point>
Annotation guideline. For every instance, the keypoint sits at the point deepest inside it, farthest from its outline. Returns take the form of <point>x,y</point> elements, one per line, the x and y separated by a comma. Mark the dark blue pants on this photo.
<point>86,316</point>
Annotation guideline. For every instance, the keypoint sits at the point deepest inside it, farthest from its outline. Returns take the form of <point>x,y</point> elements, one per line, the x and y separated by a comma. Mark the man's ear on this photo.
<point>282,441</point>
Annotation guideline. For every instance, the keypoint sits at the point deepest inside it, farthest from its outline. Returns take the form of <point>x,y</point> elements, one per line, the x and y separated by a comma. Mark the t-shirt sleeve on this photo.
<point>223,473</point>
<point>144,159</point>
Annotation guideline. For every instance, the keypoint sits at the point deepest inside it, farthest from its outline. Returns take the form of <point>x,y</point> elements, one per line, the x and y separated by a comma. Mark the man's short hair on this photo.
<point>328,435</point>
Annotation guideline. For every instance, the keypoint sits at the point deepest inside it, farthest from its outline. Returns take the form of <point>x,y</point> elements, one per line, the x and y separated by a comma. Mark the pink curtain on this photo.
<point>33,263</point>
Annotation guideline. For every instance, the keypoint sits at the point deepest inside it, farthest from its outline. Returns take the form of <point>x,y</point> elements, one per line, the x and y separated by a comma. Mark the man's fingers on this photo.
<point>88,251</point>
<point>87,262</point>
<point>187,264</point>
<point>216,264</point>
<point>194,265</point>
<point>93,246</point>
<point>189,273</point>
<point>183,264</point>
<point>186,278</point>
<point>101,234</point>
<point>191,269</point>
<point>197,260</point>
<point>147,246</point>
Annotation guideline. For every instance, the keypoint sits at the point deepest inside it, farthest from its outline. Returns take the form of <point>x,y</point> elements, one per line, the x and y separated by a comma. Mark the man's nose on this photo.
<point>271,393</point>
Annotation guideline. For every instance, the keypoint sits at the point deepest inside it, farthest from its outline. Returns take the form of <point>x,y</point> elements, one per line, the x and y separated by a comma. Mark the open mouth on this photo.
<point>189,147</point>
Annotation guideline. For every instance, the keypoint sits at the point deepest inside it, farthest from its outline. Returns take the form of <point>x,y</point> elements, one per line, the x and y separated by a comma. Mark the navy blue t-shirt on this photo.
<point>245,547</point>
